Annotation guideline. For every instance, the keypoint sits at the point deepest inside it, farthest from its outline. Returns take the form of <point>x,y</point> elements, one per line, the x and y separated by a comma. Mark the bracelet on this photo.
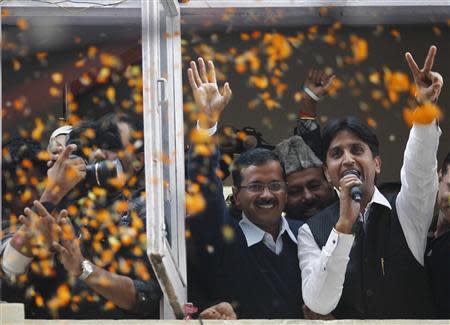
<point>211,131</point>
<point>311,94</point>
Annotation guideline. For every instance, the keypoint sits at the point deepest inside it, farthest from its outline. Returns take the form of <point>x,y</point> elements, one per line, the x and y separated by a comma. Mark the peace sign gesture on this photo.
<point>206,92</point>
<point>429,83</point>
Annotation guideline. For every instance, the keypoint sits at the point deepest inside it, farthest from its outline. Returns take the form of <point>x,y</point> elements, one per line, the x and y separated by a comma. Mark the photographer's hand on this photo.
<point>207,96</point>
<point>63,176</point>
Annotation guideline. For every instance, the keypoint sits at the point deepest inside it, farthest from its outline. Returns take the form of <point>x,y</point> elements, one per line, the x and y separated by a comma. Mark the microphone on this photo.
<point>355,191</point>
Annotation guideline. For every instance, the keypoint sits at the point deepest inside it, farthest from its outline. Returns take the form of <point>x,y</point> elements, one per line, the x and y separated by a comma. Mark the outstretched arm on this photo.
<point>119,289</point>
<point>315,86</point>
<point>203,160</point>
<point>415,202</point>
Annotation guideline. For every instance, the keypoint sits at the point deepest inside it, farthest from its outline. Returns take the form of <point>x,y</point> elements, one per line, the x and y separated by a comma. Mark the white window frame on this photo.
<point>168,259</point>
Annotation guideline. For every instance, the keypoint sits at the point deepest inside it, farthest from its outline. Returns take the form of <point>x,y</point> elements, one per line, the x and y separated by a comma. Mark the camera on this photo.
<point>102,172</point>
<point>236,141</point>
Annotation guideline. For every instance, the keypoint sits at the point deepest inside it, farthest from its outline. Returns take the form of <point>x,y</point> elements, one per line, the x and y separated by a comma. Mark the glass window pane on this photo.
<point>61,68</point>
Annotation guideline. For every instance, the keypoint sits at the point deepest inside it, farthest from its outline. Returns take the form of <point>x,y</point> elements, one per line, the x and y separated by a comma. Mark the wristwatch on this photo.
<point>87,268</point>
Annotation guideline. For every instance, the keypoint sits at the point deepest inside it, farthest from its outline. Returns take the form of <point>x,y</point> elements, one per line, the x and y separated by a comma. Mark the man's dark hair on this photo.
<point>253,157</point>
<point>103,133</point>
<point>106,132</point>
<point>353,125</point>
<point>445,164</point>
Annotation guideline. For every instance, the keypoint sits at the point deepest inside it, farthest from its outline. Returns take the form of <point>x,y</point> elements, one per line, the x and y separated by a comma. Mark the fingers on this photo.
<point>191,78</point>
<point>67,151</point>
<point>212,71</point>
<point>429,61</point>
<point>40,209</point>
<point>59,248</point>
<point>436,79</point>
<point>52,160</point>
<point>30,214</point>
<point>316,77</point>
<point>432,92</point>
<point>198,81</point>
<point>412,64</point>
<point>62,214</point>
<point>348,182</point>
<point>328,81</point>
<point>67,229</point>
<point>25,220</point>
<point>202,67</point>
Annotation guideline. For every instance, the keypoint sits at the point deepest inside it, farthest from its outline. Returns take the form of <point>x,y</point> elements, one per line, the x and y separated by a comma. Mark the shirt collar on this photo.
<point>253,234</point>
<point>377,197</point>
<point>380,199</point>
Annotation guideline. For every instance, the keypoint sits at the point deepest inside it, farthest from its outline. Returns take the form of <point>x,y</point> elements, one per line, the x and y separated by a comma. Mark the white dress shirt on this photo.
<point>323,270</point>
<point>253,234</point>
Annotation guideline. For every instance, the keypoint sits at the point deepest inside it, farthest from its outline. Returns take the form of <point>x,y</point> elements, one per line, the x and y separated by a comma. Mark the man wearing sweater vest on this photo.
<point>363,257</point>
<point>252,263</point>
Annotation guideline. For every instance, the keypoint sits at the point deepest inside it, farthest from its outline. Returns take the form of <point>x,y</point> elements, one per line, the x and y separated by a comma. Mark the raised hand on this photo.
<point>318,82</point>
<point>63,176</point>
<point>210,101</point>
<point>39,229</point>
<point>428,83</point>
<point>69,252</point>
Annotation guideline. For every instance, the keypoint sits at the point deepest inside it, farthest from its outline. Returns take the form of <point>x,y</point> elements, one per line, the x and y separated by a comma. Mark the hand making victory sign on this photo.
<point>429,83</point>
<point>210,101</point>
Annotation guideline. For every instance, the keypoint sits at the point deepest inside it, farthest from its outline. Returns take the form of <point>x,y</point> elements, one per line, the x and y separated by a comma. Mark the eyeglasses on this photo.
<point>259,187</point>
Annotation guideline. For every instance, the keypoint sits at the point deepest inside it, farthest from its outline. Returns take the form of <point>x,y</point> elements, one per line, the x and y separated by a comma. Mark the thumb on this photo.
<point>68,151</point>
<point>227,92</point>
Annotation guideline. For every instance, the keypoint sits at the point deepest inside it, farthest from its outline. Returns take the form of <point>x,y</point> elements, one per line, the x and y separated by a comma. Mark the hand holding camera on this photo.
<point>63,176</point>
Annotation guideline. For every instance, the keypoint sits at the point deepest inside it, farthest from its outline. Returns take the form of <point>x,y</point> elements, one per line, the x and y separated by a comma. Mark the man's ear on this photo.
<point>237,201</point>
<point>440,175</point>
<point>377,160</point>
<point>327,175</point>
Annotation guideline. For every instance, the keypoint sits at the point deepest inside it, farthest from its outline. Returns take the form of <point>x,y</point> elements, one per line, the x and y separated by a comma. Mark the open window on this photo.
<point>165,148</point>
<point>68,61</point>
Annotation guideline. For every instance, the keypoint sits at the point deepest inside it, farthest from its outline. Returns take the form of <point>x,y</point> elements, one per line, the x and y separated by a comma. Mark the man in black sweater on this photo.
<point>363,257</point>
<point>249,263</point>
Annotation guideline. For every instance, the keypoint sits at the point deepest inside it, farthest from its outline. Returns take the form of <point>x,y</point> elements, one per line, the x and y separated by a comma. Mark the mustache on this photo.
<point>266,201</point>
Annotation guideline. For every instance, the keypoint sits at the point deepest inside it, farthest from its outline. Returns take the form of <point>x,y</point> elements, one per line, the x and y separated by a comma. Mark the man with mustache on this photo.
<point>308,190</point>
<point>363,257</point>
<point>249,263</point>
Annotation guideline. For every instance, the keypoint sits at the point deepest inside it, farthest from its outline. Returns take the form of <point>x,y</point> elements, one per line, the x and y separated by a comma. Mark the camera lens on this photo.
<point>103,171</point>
